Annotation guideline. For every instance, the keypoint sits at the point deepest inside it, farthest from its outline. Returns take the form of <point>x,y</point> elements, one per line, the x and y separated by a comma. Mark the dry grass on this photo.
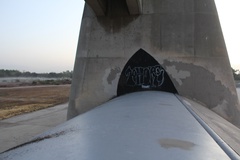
<point>18,100</point>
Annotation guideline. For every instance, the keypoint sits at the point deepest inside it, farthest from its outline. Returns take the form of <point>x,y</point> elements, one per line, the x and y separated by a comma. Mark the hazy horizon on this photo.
<point>42,36</point>
<point>37,72</point>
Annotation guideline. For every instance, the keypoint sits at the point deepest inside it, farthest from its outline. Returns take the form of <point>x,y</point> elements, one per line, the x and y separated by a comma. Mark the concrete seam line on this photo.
<point>225,147</point>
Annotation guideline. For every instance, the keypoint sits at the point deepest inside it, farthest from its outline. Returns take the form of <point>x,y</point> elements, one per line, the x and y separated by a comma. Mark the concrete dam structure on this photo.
<point>175,46</point>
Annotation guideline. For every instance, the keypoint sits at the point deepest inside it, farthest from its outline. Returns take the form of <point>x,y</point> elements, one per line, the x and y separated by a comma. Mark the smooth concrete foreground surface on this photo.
<point>20,129</point>
<point>137,126</point>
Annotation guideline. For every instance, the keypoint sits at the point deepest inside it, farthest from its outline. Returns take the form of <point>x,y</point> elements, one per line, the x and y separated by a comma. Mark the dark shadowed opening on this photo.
<point>142,72</point>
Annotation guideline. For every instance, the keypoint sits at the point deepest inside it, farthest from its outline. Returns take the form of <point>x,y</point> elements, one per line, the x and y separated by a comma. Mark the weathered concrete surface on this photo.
<point>98,6</point>
<point>137,126</point>
<point>20,129</point>
<point>105,7</point>
<point>224,129</point>
<point>184,36</point>
<point>134,6</point>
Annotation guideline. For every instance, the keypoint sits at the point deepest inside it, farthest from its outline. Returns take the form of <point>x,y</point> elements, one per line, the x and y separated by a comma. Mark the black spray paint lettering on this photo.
<point>146,77</point>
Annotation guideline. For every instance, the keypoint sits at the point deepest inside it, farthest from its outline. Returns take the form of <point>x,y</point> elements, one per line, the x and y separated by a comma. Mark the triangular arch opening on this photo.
<point>142,72</point>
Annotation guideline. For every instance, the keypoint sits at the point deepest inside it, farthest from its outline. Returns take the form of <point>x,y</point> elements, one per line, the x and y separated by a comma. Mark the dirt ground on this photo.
<point>19,100</point>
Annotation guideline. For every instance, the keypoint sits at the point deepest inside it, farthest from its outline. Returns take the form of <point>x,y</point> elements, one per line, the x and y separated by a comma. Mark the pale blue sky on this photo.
<point>39,35</point>
<point>229,14</point>
<point>42,35</point>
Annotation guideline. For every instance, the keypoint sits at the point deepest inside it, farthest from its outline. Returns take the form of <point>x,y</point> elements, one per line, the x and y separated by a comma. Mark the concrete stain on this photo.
<point>179,75</point>
<point>113,74</point>
<point>38,139</point>
<point>202,86</point>
<point>176,143</point>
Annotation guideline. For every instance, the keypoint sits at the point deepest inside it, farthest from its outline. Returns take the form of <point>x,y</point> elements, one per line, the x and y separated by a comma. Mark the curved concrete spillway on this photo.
<point>141,125</point>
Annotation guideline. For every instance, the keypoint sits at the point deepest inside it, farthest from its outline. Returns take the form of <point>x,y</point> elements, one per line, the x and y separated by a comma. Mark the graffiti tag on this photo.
<point>146,77</point>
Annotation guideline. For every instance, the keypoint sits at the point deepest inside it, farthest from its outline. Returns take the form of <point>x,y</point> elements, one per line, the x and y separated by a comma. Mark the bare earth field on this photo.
<point>19,100</point>
<point>23,99</point>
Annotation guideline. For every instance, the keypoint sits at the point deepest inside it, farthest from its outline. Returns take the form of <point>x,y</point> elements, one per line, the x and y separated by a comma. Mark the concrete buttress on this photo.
<point>183,36</point>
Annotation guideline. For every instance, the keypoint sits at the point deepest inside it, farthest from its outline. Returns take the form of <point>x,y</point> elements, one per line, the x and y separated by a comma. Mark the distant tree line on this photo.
<point>16,73</point>
<point>65,74</point>
<point>236,74</point>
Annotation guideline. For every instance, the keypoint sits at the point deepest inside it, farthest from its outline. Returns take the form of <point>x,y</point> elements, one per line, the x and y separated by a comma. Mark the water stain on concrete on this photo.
<point>113,74</point>
<point>176,143</point>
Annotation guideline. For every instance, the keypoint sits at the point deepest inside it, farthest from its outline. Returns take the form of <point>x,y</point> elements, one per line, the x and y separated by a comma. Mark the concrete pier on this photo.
<point>183,36</point>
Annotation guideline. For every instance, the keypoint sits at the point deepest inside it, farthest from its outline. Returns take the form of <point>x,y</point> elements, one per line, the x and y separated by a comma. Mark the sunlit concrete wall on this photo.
<point>184,36</point>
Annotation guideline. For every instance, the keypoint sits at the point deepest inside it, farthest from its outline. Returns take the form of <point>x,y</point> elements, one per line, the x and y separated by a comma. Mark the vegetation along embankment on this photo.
<point>13,78</point>
<point>23,92</point>
<point>236,75</point>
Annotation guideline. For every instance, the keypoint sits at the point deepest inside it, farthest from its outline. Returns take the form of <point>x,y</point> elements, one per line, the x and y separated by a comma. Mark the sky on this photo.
<point>41,35</point>
<point>229,14</point>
